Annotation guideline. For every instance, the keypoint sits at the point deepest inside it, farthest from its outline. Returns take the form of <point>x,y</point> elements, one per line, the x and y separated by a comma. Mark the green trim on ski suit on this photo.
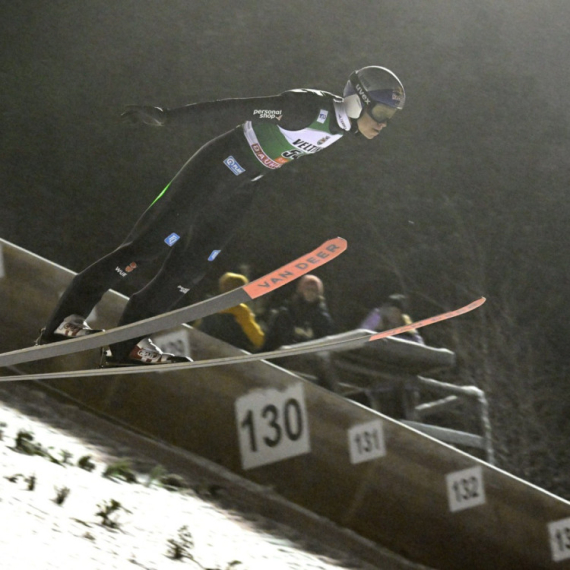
<point>161,194</point>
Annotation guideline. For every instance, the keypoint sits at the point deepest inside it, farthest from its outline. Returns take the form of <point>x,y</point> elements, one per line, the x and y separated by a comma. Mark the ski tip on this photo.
<point>341,243</point>
<point>305,264</point>
<point>429,321</point>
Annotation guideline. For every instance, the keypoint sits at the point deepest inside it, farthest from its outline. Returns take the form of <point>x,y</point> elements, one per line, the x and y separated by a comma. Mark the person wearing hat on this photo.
<point>391,314</point>
<point>303,317</point>
<point>236,326</point>
<point>201,208</point>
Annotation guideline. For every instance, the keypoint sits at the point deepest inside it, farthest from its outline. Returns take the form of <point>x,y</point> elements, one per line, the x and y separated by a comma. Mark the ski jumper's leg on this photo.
<point>152,237</point>
<point>87,287</point>
<point>204,224</point>
<point>190,259</point>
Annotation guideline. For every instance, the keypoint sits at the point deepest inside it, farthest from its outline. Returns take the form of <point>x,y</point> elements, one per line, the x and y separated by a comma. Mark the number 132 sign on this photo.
<point>272,425</point>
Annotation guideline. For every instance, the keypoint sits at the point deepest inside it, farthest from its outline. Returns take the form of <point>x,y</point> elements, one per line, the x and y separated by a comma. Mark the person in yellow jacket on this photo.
<point>236,326</point>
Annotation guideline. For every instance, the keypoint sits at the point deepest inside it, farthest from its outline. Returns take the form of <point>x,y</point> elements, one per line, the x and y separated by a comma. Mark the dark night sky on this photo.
<point>466,193</point>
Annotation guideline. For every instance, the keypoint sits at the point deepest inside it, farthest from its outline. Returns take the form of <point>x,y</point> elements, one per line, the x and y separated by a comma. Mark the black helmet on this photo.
<point>375,90</point>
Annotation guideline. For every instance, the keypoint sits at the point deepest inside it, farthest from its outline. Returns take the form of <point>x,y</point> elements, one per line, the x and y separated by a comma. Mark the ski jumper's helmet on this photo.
<point>374,90</point>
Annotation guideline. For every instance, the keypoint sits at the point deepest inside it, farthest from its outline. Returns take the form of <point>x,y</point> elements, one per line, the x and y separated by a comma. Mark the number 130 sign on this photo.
<point>272,425</point>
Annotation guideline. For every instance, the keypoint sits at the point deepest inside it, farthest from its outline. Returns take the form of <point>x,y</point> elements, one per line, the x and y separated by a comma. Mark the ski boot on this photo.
<point>72,326</point>
<point>144,352</point>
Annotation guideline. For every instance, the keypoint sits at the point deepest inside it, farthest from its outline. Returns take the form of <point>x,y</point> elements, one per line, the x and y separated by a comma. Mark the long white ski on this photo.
<point>266,284</point>
<point>340,342</point>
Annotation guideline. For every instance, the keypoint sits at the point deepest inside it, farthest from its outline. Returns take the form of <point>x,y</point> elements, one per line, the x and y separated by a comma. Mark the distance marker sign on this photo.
<point>272,425</point>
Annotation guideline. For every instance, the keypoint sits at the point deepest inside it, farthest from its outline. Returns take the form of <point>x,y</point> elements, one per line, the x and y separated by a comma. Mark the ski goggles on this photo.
<point>380,113</point>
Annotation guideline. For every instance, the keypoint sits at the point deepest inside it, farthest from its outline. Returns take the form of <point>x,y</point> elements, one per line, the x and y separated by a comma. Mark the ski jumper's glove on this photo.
<point>153,116</point>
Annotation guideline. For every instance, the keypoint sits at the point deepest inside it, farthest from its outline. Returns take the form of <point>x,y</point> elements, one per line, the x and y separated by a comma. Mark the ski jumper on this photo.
<point>199,211</point>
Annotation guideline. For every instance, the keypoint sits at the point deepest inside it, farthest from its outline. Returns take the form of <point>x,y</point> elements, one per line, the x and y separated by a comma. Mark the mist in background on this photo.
<point>466,193</point>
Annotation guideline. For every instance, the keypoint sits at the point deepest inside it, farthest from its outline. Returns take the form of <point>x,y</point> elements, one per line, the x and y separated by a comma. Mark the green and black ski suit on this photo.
<point>199,211</point>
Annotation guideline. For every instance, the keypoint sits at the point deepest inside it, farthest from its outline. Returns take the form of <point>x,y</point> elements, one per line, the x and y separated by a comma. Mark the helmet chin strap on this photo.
<point>353,106</point>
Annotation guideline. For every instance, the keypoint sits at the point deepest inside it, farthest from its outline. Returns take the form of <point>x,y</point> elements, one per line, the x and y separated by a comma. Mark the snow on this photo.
<point>37,533</point>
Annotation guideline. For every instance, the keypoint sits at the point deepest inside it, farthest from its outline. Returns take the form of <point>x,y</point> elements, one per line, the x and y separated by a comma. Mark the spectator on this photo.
<point>391,314</point>
<point>236,326</point>
<point>304,317</point>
